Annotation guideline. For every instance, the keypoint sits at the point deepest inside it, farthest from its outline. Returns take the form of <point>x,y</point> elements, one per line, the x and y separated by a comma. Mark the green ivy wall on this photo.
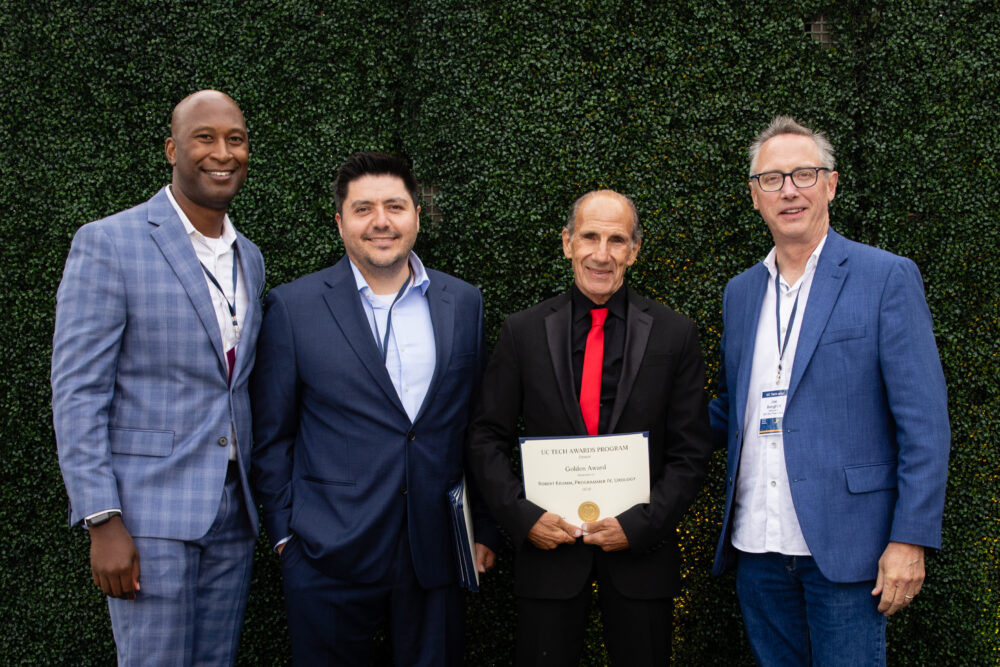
<point>511,110</point>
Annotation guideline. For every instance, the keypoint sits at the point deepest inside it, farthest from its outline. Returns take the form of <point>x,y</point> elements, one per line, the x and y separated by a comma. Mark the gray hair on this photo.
<point>636,227</point>
<point>788,125</point>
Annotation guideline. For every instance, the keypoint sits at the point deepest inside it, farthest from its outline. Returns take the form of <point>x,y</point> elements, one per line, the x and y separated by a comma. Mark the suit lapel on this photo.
<point>254,283</point>
<point>442,307</point>
<point>831,271</point>
<point>172,239</point>
<point>344,302</point>
<point>558,328</point>
<point>637,330</point>
<point>751,319</point>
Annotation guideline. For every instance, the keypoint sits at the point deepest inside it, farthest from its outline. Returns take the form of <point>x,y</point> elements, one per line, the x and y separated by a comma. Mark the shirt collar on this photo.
<point>419,279</point>
<point>228,231</point>
<point>582,305</point>
<point>772,265</point>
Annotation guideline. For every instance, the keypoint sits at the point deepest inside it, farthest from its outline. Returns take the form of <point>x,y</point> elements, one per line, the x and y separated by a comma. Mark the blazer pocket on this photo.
<point>329,482</point>
<point>463,359</point>
<point>838,335</point>
<point>873,477</point>
<point>141,442</point>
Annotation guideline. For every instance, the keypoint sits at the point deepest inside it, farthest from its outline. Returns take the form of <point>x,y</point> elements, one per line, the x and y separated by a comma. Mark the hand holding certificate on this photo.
<point>586,478</point>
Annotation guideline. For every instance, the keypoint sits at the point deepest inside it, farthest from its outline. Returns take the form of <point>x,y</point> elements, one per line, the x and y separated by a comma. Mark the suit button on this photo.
<point>403,491</point>
<point>223,441</point>
<point>411,436</point>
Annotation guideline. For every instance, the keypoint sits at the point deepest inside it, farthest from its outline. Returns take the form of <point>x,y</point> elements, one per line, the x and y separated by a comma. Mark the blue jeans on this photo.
<point>796,616</point>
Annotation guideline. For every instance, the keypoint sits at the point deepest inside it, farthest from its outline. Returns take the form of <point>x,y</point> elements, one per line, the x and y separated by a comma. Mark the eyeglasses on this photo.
<point>803,177</point>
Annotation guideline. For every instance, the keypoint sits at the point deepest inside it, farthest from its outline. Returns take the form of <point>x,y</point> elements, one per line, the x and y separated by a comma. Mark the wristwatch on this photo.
<point>102,518</point>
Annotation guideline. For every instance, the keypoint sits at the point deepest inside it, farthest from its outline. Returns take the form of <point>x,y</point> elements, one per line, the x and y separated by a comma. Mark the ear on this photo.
<point>753,195</point>
<point>831,185</point>
<point>567,244</point>
<point>633,254</point>
<point>170,148</point>
<point>418,219</point>
<point>339,230</point>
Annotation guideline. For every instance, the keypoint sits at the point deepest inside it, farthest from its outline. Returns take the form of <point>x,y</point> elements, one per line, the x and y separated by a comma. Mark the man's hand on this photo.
<point>280,548</point>
<point>485,558</point>
<point>114,560</point>
<point>606,533</point>
<point>900,576</point>
<point>551,530</point>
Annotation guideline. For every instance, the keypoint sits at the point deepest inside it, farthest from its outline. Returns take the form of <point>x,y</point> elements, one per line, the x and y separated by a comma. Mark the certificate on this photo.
<point>586,478</point>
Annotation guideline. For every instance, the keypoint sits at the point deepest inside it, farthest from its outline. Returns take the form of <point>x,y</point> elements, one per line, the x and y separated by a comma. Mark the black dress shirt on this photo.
<point>614,346</point>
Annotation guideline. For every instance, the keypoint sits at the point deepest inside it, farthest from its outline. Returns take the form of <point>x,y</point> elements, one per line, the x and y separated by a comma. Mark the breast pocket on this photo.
<point>837,335</point>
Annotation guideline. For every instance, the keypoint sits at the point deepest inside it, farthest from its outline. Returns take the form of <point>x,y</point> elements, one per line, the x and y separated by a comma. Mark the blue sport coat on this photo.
<point>337,462</point>
<point>142,407</point>
<point>866,433</point>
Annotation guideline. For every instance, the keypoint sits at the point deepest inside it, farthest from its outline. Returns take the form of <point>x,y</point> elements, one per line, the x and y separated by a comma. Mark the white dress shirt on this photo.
<point>764,517</point>
<point>411,354</point>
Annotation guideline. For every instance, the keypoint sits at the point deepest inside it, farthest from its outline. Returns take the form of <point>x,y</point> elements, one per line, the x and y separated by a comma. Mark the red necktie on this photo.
<point>231,359</point>
<point>593,361</point>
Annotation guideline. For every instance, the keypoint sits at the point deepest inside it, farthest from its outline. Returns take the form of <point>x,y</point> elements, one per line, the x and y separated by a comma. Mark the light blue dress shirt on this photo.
<point>410,354</point>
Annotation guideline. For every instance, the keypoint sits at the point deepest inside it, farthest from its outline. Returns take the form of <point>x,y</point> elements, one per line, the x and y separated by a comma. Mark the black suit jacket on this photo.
<point>661,390</point>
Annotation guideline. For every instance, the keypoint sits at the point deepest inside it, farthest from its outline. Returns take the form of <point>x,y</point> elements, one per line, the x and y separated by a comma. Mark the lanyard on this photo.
<point>231,306</point>
<point>777,314</point>
<point>383,342</point>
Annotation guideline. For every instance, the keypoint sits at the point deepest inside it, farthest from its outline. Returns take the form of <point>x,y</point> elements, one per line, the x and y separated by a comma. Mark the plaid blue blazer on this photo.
<point>142,408</point>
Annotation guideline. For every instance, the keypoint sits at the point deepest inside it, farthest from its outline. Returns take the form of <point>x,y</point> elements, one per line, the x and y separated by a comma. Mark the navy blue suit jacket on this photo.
<point>866,433</point>
<point>337,461</point>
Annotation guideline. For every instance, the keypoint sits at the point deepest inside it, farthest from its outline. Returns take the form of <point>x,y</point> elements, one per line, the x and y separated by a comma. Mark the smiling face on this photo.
<point>209,150</point>
<point>795,216</point>
<point>601,247</point>
<point>379,225</point>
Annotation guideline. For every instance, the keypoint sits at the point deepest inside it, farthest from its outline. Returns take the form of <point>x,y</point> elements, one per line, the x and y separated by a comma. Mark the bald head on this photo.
<point>187,107</point>
<point>605,197</point>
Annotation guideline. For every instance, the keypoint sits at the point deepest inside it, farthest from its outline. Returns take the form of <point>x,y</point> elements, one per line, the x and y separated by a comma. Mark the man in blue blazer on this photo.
<point>361,397</point>
<point>157,317</point>
<point>833,403</point>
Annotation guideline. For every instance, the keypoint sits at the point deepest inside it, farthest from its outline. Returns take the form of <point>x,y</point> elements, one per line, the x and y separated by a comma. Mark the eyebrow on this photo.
<point>369,202</point>
<point>210,128</point>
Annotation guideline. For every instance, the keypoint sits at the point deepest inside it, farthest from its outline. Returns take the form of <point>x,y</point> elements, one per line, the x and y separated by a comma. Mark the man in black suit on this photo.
<point>651,378</point>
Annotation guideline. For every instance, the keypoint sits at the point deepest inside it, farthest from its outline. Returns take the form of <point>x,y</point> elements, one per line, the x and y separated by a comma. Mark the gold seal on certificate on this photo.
<point>589,511</point>
<point>588,477</point>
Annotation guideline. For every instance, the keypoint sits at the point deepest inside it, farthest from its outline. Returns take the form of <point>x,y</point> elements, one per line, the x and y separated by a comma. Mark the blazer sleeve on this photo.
<point>918,399</point>
<point>490,444</point>
<point>90,320</point>
<point>274,389</point>
<point>688,446</point>
<point>486,532</point>
<point>718,408</point>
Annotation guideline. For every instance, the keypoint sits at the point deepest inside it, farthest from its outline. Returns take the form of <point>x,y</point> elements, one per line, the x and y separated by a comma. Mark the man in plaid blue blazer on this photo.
<point>157,317</point>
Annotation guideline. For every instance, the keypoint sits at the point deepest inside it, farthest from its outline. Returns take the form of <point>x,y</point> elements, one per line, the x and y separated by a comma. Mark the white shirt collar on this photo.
<point>772,264</point>
<point>228,231</point>
<point>420,278</point>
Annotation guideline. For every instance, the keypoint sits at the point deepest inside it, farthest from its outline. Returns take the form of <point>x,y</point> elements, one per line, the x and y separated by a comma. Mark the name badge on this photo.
<point>772,410</point>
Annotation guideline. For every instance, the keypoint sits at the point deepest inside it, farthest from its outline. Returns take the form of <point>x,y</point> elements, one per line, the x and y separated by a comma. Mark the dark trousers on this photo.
<point>333,622</point>
<point>636,632</point>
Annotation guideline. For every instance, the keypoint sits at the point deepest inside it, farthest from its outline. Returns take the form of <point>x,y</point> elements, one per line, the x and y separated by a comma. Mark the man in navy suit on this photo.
<point>156,326</point>
<point>833,403</point>
<point>361,399</point>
